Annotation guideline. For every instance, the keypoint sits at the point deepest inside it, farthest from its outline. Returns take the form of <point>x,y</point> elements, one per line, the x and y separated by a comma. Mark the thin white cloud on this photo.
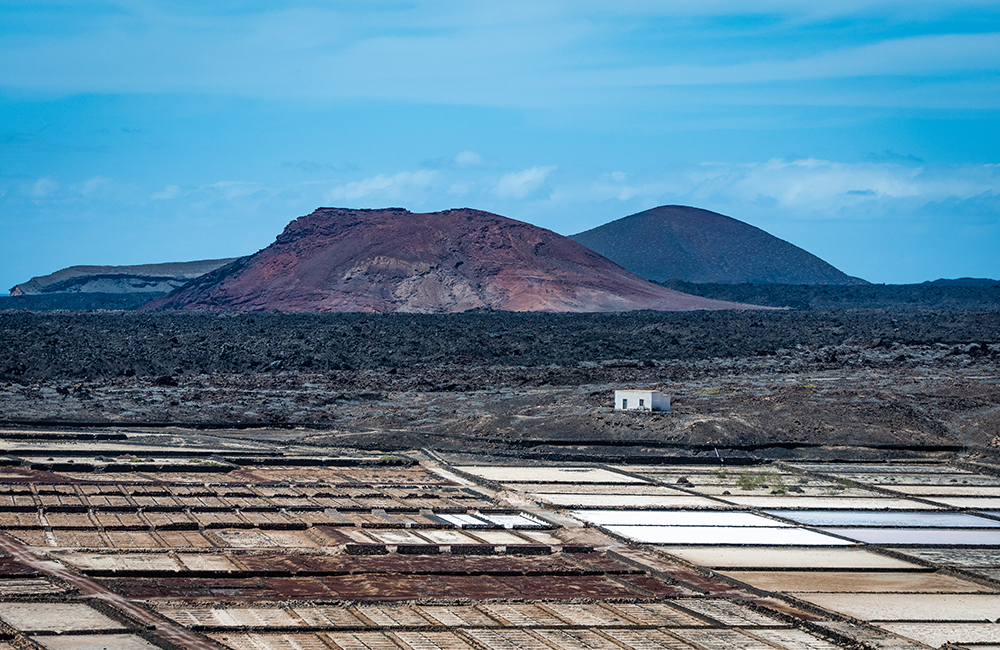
<point>400,185</point>
<point>92,186</point>
<point>468,158</point>
<point>913,56</point>
<point>168,193</point>
<point>613,187</point>
<point>234,189</point>
<point>42,188</point>
<point>518,185</point>
<point>823,187</point>
<point>807,188</point>
<point>803,200</point>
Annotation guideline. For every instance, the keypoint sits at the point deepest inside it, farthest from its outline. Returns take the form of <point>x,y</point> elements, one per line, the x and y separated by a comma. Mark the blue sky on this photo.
<point>143,131</point>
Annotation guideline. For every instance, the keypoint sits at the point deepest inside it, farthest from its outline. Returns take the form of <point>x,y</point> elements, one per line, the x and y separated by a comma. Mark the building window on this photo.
<point>642,403</point>
<point>624,403</point>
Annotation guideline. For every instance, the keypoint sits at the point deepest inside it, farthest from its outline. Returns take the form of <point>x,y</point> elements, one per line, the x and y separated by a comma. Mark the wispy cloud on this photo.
<point>788,197</point>
<point>823,187</point>
<point>313,167</point>
<point>919,56</point>
<point>803,187</point>
<point>528,55</point>
<point>468,158</point>
<point>42,188</point>
<point>399,185</point>
<point>519,185</point>
<point>168,193</point>
<point>95,186</point>
<point>234,189</point>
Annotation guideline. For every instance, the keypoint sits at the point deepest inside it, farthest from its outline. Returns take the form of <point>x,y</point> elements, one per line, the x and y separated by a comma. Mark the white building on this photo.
<point>641,400</point>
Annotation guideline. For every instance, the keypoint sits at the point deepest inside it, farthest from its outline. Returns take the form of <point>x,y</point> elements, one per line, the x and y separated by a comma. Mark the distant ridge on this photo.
<point>675,242</point>
<point>393,260</point>
<point>141,278</point>
<point>964,282</point>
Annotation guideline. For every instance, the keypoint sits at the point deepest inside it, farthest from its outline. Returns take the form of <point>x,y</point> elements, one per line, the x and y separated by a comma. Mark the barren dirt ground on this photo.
<point>769,385</point>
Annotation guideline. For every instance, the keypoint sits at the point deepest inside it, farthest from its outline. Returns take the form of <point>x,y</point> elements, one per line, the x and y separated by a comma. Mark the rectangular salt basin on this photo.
<point>234,617</point>
<point>921,536</point>
<point>905,468</point>
<point>855,582</point>
<point>729,536</point>
<point>885,518</point>
<point>594,489</point>
<point>627,501</point>
<point>501,537</point>
<point>396,537</point>
<point>357,535</point>
<point>825,503</point>
<point>938,634</point>
<point>669,469</point>
<point>542,537</point>
<point>889,480</point>
<point>447,537</point>
<point>964,557</point>
<point>94,642</point>
<point>55,617</point>
<point>911,607</point>
<point>767,480</point>
<point>801,490</point>
<point>948,490</point>
<point>517,521</point>
<point>205,562</point>
<point>790,558</point>
<point>296,641</point>
<point>674,518</point>
<point>131,561</point>
<point>548,474</point>
<point>967,502</point>
<point>466,521</point>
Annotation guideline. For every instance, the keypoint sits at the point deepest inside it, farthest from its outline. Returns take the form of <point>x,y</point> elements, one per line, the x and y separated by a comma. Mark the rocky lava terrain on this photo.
<point>394,260</point>
<point>761,383</point>
<point>937,295</point>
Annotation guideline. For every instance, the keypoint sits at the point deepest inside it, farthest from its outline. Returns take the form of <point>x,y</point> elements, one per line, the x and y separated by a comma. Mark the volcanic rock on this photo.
<point>143,278</point>
<point>393,260</point>
<point>676,242</point>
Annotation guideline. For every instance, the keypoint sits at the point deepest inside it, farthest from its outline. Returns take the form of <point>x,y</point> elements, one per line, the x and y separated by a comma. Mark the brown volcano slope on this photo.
<point>676,242</point>
<point>393,260</point>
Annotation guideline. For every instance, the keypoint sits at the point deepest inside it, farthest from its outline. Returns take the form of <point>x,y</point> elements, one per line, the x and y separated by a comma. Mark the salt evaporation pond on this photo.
<point>791,558</point>
<point>673,518</point>
<point>885,518</point>
<point>726,535</point>
<point>626,500</point>
<point>920,536</point>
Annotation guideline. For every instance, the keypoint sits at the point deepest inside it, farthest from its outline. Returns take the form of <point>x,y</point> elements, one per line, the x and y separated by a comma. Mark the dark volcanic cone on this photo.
<point>395,260</point>
<point>676,242</point>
